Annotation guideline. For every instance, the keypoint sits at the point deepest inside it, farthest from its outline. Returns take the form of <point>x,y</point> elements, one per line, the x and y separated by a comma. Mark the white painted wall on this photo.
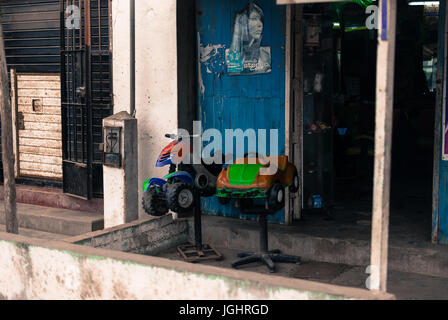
<point>38,269</point>
<point>156,76</point>
<point>120,184</point>
<point>121,55</point>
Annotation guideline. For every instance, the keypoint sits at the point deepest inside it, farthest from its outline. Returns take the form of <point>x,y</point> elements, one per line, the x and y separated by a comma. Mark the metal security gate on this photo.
<point>86,92</point>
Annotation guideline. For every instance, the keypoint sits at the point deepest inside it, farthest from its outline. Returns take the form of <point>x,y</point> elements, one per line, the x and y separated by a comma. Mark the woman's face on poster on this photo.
<point>255,25</point>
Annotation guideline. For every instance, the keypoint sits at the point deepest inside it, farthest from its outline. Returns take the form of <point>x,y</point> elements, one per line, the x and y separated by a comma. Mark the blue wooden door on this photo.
<point>226,101</point>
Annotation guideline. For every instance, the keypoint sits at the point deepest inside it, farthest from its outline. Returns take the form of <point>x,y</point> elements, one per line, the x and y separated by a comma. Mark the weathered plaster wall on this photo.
<point>145,236</point>
<point>156,81</point>
<point>156,76</point>
<point>37,269</point>
<point>121,55</point>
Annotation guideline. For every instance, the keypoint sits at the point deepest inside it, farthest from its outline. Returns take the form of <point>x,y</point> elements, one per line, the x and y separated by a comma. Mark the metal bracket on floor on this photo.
<point>191,253</point>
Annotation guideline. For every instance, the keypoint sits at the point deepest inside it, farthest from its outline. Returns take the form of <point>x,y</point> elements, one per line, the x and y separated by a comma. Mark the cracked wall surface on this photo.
<point>146,236</point>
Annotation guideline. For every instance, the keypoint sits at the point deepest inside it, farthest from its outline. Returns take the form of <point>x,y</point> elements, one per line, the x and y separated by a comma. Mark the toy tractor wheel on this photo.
<point>154,204</point>
<point>294,187</point>
<point>276,199</point>
<point>223,201</point>
<point>180,197</point>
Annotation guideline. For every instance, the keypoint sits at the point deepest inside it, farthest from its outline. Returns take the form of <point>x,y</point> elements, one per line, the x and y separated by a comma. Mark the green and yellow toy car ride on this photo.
<point>244,180</point>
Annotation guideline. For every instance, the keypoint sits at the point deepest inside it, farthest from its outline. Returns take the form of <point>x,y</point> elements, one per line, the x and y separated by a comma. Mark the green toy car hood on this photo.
<point>243,174</point>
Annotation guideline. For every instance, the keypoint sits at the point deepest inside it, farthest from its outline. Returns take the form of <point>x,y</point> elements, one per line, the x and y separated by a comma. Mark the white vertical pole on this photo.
<point>383,143</point>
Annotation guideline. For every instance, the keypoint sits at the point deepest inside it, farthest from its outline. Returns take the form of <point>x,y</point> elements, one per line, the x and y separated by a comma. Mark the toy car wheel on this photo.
<point>276,198</point>
<point>294,187</point>
<point>154,204</point>
<point>202,183</point>
<point>180,197</point>
<point>223,201</point>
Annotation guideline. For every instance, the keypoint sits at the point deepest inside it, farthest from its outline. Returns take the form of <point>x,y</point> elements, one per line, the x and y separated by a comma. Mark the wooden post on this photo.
<point>288,210</point>
<point>7,144</point>
<point>14,110</point>
<point>294,103</point>
<point>383,143</point>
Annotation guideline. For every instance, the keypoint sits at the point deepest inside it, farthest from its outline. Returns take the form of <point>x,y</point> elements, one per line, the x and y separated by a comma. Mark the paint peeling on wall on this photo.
<point>200,81</point>
<point>212,57</point>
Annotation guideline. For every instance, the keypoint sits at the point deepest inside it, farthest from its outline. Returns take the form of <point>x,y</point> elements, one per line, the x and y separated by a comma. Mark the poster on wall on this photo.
<point>246,55</point>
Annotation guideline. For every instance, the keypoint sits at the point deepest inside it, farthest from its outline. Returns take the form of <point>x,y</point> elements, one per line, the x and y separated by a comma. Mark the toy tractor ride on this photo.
<point>176,191</point>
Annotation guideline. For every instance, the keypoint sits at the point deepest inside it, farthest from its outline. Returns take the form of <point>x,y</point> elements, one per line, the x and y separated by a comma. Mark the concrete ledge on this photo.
<point>39,269</point>
<point>244,236</point>
<point>146,236</point>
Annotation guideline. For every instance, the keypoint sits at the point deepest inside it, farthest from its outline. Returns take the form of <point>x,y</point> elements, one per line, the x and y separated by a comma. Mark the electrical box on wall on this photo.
<point>112,147</point>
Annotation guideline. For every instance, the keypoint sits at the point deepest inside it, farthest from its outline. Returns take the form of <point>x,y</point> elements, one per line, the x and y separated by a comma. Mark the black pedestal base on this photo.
<point>269,258</point>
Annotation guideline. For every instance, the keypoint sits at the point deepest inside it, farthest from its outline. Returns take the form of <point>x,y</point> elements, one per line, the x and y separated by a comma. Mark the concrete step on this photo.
<point>243,235</point>
<point>54,220</point>
<point>37,234</point>
<point>405,286</point>
<point>54,198</point>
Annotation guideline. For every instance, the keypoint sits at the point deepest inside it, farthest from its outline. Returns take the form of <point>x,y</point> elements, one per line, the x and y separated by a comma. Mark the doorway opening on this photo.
<point>339,81</point>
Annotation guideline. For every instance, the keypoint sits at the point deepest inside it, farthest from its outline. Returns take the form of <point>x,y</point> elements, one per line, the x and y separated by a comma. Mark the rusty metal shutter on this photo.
<point>32,35</point>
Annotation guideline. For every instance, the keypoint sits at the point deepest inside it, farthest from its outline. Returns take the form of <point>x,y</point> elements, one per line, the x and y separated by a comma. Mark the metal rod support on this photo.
<point>197,221</point>
<point>263,233</point>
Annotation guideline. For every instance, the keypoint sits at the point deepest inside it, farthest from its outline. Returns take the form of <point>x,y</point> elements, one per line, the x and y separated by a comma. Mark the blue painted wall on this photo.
<point>440,216</point>
<point>443,211</point>
<point>248,101</point>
